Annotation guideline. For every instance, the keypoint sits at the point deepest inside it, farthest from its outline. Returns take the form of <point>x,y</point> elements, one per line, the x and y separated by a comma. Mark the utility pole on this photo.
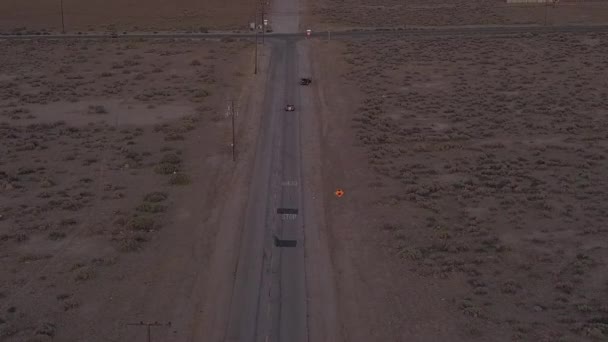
<point>263,21</point>
<point>255,20</point>
<point>255,69</point>
<point>148,326</point>
<point>546,8</point>
<point>62,18</point>
<point>233,131</point>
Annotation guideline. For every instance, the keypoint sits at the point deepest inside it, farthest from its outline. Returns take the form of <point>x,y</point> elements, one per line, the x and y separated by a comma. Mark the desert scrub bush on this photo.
<point>34,257</point>
<point>155,197</point>
<point>165,168</point>
<point>67,222</point>
<point>413,254</point>
<point>510,287</point>
<point>84,274</point>
<point>173,136</point>
<point>130,243</point>
<point>179,179</point>
<point>201,93</point>
<point>565,287</point>
<point>141,223</point>
<point>47,183</point>
<point>45,329</point>
<point>98,109</point>
<point>195,62</point>
<point>148,207</point>
<point>56,236</point>
<point>470,309</point>
<point>171,158</point>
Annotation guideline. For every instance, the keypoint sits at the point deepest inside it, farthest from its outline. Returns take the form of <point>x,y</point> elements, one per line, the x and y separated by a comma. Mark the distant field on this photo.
<point>327,14</point>
<point>125,14</point>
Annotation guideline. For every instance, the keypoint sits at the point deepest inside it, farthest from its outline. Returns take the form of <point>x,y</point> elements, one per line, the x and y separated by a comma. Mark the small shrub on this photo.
<point>411,253</point>
<point>56,235</point>
<point>63,296</point>
<point>67,222</point>
<point>171,158</point>
<point>46,329</point>
<point>165,169</point>
<point>85,274</point>
<point>47,183</point>
<point>131,243</point>
<point>21,237</point>
<point>179,179</point>
<point>510,287</point>
<point>150,208</point>
<point>97,110</point>
<point>173,137</point>
<point>141,223</point>
<point>564,286</point>
<point>201,93</point>
<point>155,197</point>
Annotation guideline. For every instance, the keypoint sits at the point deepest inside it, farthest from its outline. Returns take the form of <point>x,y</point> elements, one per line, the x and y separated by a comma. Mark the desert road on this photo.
<point>344,33</point>
<point>269,296</point>
<point>280,258</point>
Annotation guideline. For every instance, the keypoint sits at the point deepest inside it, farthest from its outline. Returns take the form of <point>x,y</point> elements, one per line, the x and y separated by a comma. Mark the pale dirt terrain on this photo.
<point>113,156</point>
<point>329,14</point>
<point>132,15</point>
<point>474,171</point>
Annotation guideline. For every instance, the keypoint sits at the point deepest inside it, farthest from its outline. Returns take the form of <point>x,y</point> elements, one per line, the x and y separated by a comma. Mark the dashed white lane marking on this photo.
<point>290,183</point>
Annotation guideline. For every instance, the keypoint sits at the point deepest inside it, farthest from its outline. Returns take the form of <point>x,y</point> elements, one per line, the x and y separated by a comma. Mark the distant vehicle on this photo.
<point>305,81</point>
<point>290,108</point>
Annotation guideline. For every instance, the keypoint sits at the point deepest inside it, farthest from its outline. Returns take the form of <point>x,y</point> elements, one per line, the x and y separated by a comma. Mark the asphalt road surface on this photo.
<point>270,296</point>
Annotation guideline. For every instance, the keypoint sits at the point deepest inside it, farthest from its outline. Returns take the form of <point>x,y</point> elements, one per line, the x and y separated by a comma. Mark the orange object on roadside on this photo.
<point>339,193</point>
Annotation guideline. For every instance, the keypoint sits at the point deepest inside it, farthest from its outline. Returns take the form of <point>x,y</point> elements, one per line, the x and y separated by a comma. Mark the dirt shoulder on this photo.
<point>473,169</point>
<point>114,157</point>
<point>327,15</point>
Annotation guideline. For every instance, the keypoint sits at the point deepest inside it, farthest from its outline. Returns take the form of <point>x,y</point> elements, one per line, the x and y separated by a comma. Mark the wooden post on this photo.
<point>62,19</point>
<point>255,20</point>
<point>233,131</point>
<point>263,23</point>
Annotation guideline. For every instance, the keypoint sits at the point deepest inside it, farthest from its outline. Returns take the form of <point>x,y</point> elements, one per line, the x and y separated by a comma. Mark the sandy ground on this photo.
<point>109,151</point>
<point>133,15</point>
<point>473,169</point>
<point>328,14</point>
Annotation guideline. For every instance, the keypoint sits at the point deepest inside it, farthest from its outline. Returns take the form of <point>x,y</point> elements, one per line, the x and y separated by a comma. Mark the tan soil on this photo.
<point>474,171</point>
<point>113,157</point>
